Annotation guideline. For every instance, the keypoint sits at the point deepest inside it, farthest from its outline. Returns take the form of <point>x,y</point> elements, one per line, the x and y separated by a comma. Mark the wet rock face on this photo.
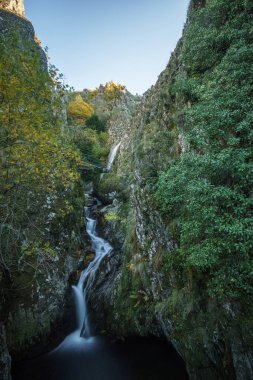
<point>34,309</point>
<point>5,359</point>
<point>16,6</point>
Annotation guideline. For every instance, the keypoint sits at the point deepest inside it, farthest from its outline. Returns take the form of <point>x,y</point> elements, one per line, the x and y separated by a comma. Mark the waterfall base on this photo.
<point>99,359</point>
<point>82,356</point>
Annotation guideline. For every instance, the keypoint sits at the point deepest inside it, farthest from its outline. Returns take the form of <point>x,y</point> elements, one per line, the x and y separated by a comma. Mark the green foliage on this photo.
<point>109,91</point>
<point>79,111</point>
<point>109,183</point>
<point>207,194</point>
<point>89,133</point>
<point>111,217</point>
<point>95,123</point>
<point>131,301</point>
<point>39,181</point>
<point>93,145</point>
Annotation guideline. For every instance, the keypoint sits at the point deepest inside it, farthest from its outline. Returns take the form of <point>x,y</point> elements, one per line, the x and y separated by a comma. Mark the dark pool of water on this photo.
<point>99,359</point>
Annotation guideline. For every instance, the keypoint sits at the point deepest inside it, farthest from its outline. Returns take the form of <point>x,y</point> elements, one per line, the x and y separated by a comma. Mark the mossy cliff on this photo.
<point>41,194</point>
<point>183,248</point>
<point>12,25</point>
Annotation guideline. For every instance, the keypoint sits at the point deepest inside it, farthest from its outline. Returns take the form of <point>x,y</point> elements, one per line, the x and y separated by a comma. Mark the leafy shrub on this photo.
<point>93,145</point>
<point>111,217</point>
<point>95,123</point>
<point>109,183</point>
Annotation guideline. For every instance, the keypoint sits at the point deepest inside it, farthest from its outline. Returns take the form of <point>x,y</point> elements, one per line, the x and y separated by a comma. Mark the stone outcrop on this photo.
<point>11,25</point>
<point>15,6</point>
<point>118,112</point>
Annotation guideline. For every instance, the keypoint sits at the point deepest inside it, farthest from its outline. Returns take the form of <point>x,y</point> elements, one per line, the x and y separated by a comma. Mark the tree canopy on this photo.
<point>79,111</point>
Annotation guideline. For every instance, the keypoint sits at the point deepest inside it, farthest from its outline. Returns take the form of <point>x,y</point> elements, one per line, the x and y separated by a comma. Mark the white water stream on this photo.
<point>112,156</point>
<point>101,248</point>
<point>82,356</point>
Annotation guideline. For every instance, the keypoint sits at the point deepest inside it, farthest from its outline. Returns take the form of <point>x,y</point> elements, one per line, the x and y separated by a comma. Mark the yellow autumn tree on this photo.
<point>114,90</point>
<point>79,111</point>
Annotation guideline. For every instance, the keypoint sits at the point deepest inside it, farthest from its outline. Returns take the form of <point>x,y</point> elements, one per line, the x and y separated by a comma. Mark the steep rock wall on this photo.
<point>138,291</point>
<point>11,25</point>
<point>32,288</point>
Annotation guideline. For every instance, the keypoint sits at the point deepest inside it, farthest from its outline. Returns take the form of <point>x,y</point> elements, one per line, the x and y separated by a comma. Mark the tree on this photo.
<point>95,123</point>
<point>79,111</point>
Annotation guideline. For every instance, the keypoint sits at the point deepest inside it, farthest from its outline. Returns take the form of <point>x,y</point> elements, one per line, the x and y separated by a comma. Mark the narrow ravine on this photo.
<point>83,356</point>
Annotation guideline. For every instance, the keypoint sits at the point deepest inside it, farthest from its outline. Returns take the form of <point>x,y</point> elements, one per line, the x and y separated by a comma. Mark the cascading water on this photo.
<point>112,156</point>
<point>101,248</point>
<point>82,356</point>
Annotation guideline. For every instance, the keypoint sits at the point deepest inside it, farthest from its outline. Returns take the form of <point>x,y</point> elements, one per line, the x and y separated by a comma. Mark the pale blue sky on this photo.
<point>95,41</point>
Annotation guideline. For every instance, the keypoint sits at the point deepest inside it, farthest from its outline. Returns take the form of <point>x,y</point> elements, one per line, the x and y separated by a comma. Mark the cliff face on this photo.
<point>116,107</point>
<point>32,285</point>
<point>16,6</point>
<point>146,287</point>
<point>12,25</point>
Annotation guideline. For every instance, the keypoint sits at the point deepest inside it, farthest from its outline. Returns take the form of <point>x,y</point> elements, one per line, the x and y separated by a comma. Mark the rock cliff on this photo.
<point>32,287</point>
<point>16,6</point>
<point>117,109</point>
<point>139,290</point>
<point>13,25</point>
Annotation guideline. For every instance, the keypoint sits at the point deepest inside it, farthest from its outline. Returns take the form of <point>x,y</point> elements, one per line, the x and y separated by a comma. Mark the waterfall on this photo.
<point>101,248</point>
<point>83,356</point>
<point>112,156</point>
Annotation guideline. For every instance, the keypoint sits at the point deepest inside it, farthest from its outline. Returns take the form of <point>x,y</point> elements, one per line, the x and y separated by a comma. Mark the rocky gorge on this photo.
<point>154,282</point>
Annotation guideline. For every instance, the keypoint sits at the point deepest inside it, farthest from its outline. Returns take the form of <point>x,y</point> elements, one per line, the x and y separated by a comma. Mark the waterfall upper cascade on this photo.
<point>112,155</point>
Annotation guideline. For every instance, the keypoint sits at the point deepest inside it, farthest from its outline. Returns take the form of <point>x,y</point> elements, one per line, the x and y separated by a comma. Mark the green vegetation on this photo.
<point>40,188</point>
<point>109,183</point>
<point>79,111</point>
<point>110,91</point>
<point>88,133</point>
<point>131,299</point>
<point>96,124</point>
<point>111,216</point>
<point>206,195</point>
<point>92,144</point>
<point>113,91</point>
